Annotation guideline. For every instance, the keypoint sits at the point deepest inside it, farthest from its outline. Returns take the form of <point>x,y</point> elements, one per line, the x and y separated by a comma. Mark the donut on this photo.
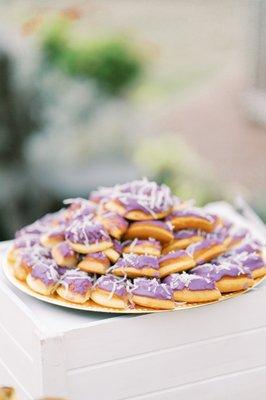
<point>129,209</point>
<point>177,203</point>
<point>152,294</point>
<point>221,226</point>
<point>36,228</point>
<point>194,218</point>
<point>97,263</point>
<point>228,276</point>
<point>113,253</point>
<point>102,194</point>
<point>134,265</point>
<point>253,262</point>
<point>52,237</point>
<point>79,208</point>
<point>43,277</point>
<point>110,291</point>
<point>157,230</point>
<point>23,242</point>
<point>207,249</point>
<point>7,393</point>
<point>218,221</point>
<point>64,255</point>
<point>175,261</point>
<point>192,288</point>
<point>27,258</point>
<point>75,286</point>
<point>86,236</point>
<point>248,246</point>
<point>149,247</point>
<point>138,200</point>
<point>56,219</point>
<point>182,239</point>
<point>235,237</point>
<point>114,224</point>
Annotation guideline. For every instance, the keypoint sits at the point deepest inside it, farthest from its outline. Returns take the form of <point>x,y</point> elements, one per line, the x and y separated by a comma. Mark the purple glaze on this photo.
<point>112,284</point>
<point>191,212</point>
<point>173,255</point>
<point>31,255</point>
<point>76,281</point>
<point>187,233</point>
<point>42,224</point>
<point>217,272</point>
<point>138,242</point>
<point>26,241</point>
<point>189,281</point>
<point>57,232</point>
<point>85,231</point>
<point>98,256</point>
<point>114,220</point>
<point>204,244</point>
<point>238,233</point>
<point>138,195</point>
<point>80,206</point>
<point>250,261</point>
<point>151,288</point>
<point>249,246</point>
<point>137,261</point>
<point>65,250</point>
<point>36,228</point>
<point>46,271</point>
<point>117,246</point>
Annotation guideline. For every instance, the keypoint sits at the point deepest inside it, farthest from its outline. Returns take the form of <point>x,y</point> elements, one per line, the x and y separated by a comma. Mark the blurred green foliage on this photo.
<point>111,62</point>
<point>167,159</point>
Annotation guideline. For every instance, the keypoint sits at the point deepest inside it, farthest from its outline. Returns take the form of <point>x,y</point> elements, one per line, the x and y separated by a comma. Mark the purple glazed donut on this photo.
<point>110,291</point>
<point>151,293</point>
<point>137,200</point>
<point>229,275</point>
<point>43,277</point>
<point>135,265</point>
<point>192,288</point>
<point>75,286</point>
<point>87,236</point>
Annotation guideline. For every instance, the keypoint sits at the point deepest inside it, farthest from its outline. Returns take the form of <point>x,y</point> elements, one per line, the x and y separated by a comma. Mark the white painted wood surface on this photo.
<point>216,352</point>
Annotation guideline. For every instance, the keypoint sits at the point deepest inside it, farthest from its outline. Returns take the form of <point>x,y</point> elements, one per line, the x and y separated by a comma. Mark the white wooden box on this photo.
<point>216,352</point>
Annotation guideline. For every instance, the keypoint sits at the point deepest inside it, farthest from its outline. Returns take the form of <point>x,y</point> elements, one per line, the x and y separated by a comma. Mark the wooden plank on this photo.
<point>122,338</point>
<point>17,360</point>
<point>247,385</point>
<point>7,378</point>
<point>53,371</point>
<point>169,368</point>
<point>17,319</point>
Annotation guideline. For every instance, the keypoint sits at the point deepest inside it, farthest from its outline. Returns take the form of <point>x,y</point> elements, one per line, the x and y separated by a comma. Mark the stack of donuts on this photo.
<point>135,245</point>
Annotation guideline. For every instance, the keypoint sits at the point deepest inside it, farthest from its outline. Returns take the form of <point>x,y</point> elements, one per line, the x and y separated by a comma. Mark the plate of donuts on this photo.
<point>134,248</point>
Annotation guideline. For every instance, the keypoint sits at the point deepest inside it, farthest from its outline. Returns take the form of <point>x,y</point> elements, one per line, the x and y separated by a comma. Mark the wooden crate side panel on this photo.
<point>15,317</point>
<point>161,370</point>
<point>244,385</point>
<point>23,366</point>
<point>53,370</point>
<point>122,338</point>
<point>7,378</point>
